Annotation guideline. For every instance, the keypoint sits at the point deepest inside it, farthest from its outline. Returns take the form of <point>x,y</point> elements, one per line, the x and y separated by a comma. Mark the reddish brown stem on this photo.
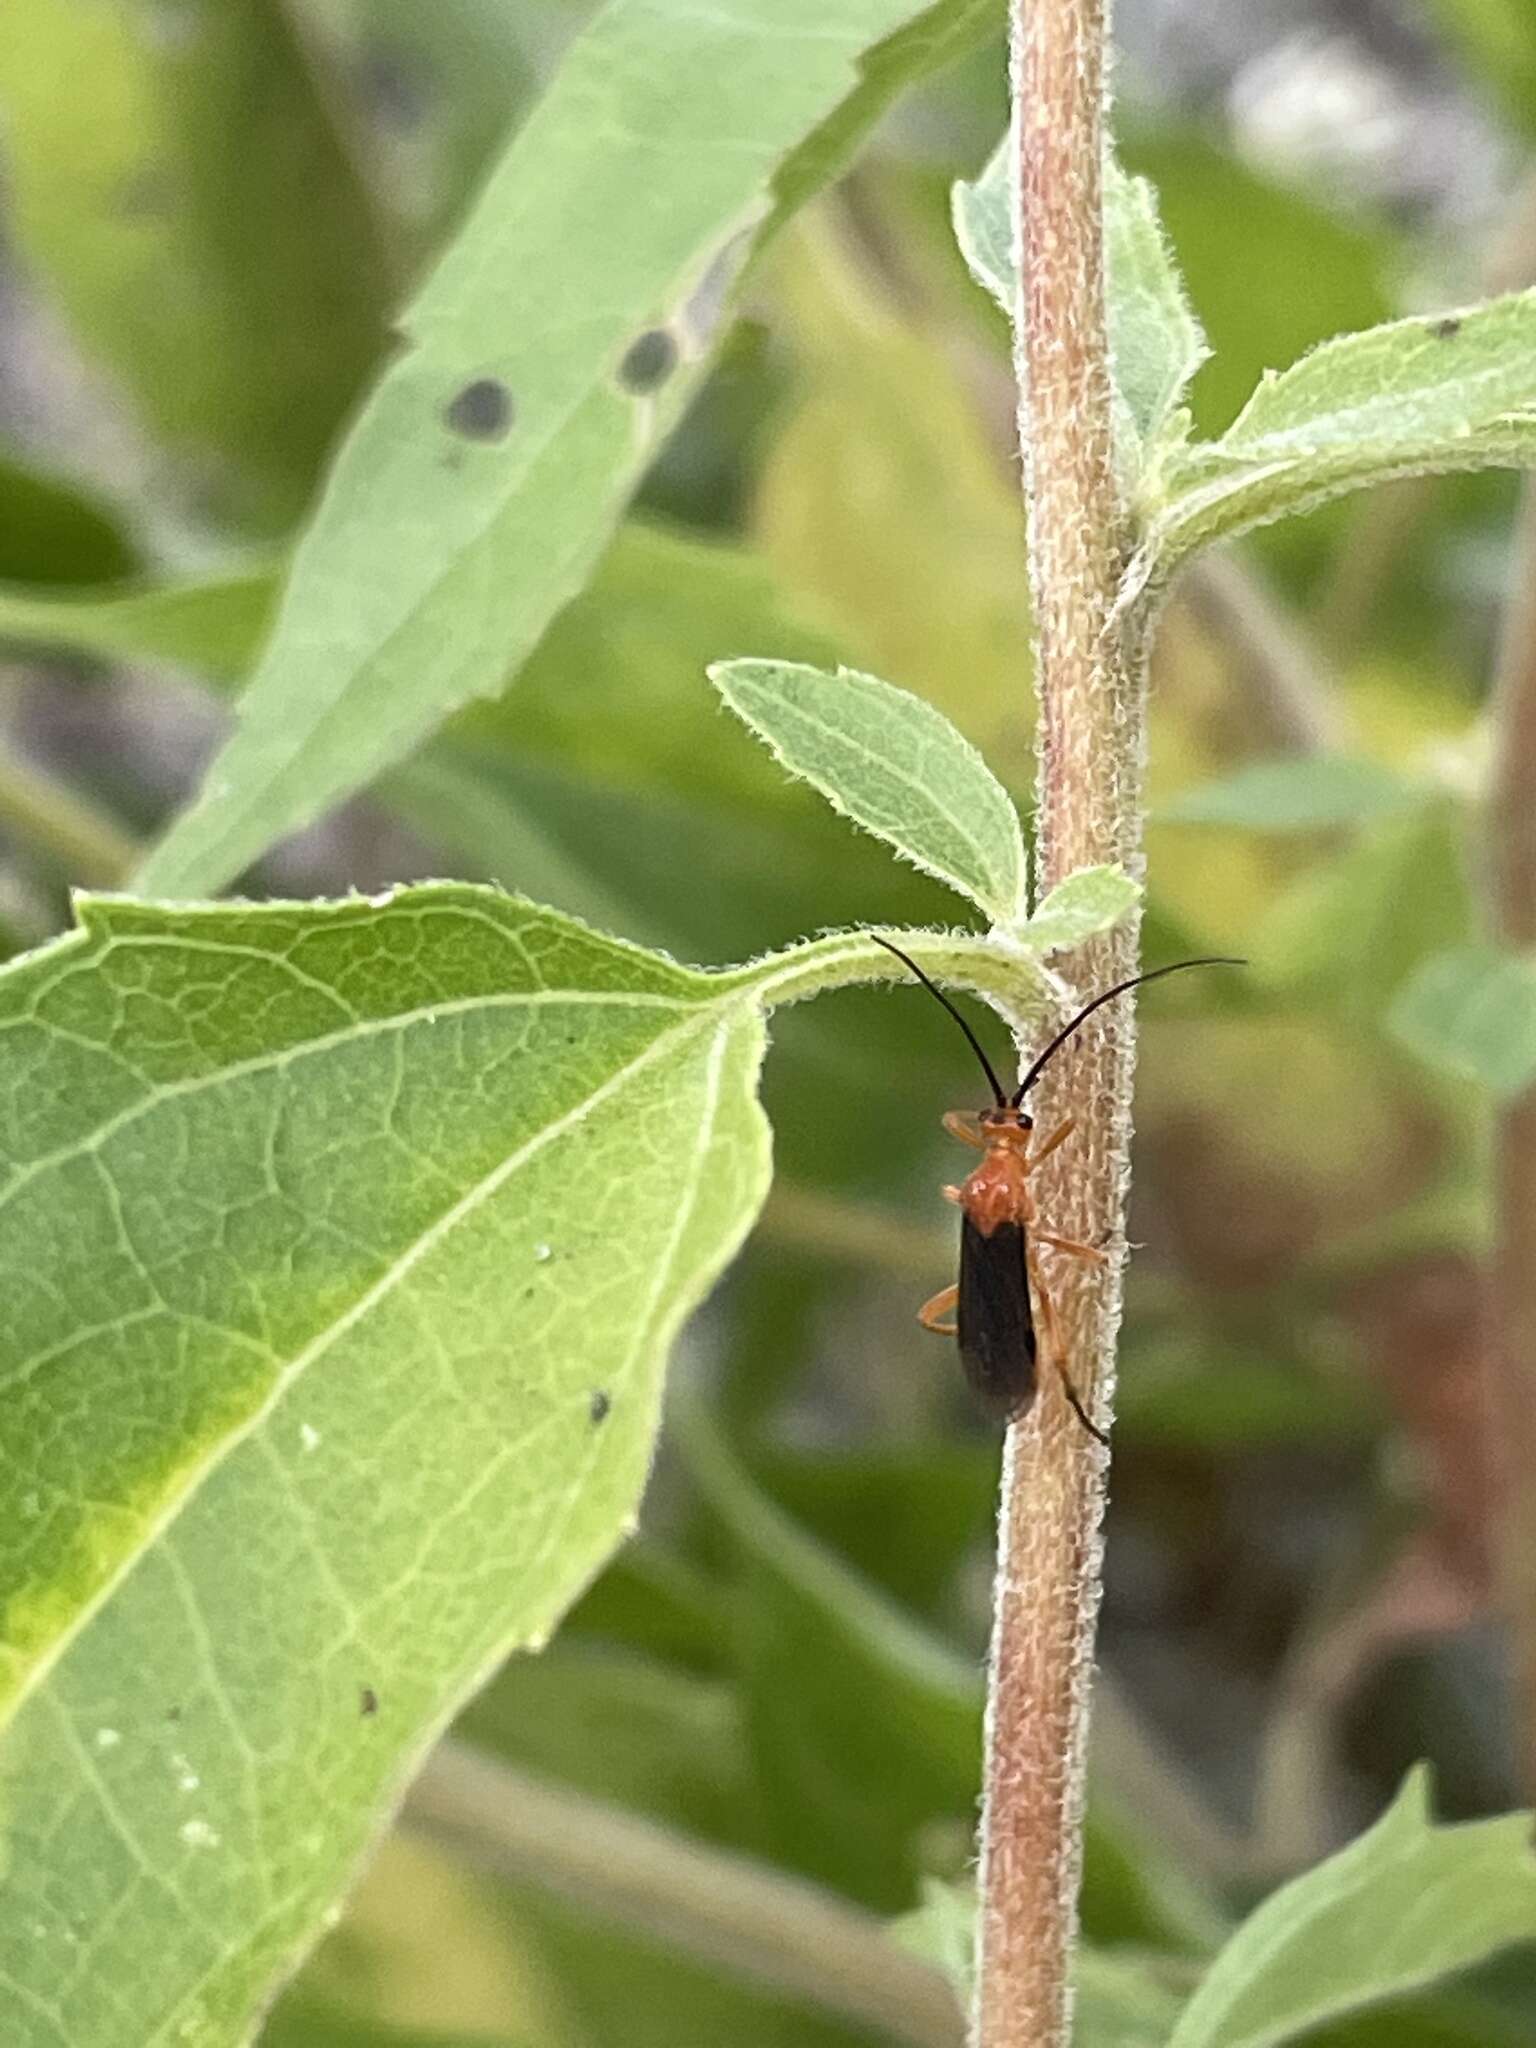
<point>1511,869</point>
<point>1091,744</point>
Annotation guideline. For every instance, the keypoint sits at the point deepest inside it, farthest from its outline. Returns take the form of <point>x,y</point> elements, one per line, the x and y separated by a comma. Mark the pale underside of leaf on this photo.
<point>1205,508</point>
<point>1082,905</point>
<point>893,764</point>
<point>1156,344</point>
<point>1452,392</point>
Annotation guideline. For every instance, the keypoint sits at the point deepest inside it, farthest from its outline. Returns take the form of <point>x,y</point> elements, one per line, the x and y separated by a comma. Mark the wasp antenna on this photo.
<point>999,1092</point>
<point>1119,989</point>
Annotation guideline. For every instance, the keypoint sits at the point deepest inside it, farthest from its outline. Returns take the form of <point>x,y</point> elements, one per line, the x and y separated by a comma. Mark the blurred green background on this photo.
<point>209,215</point>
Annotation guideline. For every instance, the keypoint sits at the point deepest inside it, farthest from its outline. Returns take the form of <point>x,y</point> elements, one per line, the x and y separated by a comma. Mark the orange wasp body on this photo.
<point>1000,1290</point>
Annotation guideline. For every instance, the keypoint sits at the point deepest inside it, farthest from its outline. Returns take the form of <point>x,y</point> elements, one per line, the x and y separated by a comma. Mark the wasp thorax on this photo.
<point>1006,1125</point>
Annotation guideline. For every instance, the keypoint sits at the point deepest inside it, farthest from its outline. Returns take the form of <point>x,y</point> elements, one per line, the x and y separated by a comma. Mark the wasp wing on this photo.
<point>995,1322</point>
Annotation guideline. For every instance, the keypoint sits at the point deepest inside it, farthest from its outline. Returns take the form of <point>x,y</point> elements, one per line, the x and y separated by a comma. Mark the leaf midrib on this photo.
<point>404,1262</point>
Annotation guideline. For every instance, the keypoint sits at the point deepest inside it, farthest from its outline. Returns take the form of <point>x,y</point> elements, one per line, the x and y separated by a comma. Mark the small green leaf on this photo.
<point>1313,794</point>
<point>894,765</point>
<point>1426,382</point>
<point>543,363</point>
<point>1452,391</point>
<point>53,532</point>
<point>345,1244</point>
<point>1123,1999</point>
<point>1472,1013</point>
<point>1092,901</point>
<point>1406,1903</point>
<point>942,1930</point>
<point>212,627</point>
<point>1155,341</point>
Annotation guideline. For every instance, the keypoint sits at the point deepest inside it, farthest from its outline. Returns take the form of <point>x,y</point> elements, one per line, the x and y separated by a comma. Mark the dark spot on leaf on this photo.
<point>396,85</point>
<point>367,1702</point>
<point>173,1713</point>
<point>1445,330</point>
<point>600,1407</point>
<point>648,362</point>
<point>482,411</point>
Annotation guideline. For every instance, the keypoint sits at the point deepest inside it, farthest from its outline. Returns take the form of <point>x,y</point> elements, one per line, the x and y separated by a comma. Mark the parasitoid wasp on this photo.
<point>1000,1291</point>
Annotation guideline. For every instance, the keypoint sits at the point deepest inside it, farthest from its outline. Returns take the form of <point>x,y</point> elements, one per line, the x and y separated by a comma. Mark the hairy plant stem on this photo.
<point>1092,727</point>
<point>1511,1349</point>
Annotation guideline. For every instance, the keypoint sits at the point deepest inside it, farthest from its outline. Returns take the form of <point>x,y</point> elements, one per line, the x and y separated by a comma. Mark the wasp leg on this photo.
<point>1059,1136</point>
<point>1070,1244</point>
<point>928,1315</point>
<point>1051,1330</point>
<point>963,1124</point>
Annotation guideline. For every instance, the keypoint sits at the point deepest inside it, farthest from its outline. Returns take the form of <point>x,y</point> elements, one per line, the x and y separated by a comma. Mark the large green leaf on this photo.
<point>894,765</point>
<point>175,182</point>
<point>343,1247</point>
<point>1406,1903</point>
<point>544,360</point>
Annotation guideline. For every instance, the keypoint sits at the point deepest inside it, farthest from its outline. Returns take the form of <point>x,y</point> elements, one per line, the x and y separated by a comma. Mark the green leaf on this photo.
<point>175,182</point>
<point>1323,273</point>
<point>211,626</point>
<point>1472,1012</point>
<point>1453,391</point>
<point>544,361</point>
<point>345,1245</point>
<point>879,1737</point>
<point>1155,341</point>
<point>894,765</point>
<point>1122,1999</point>
<point>1493,40</point>
<point>1092,901</point>
<point>1406,1903</point>
<point>1318,793</point>
<point>942,1930</point>
<point>1352,928</point>
<point>53,532</point>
